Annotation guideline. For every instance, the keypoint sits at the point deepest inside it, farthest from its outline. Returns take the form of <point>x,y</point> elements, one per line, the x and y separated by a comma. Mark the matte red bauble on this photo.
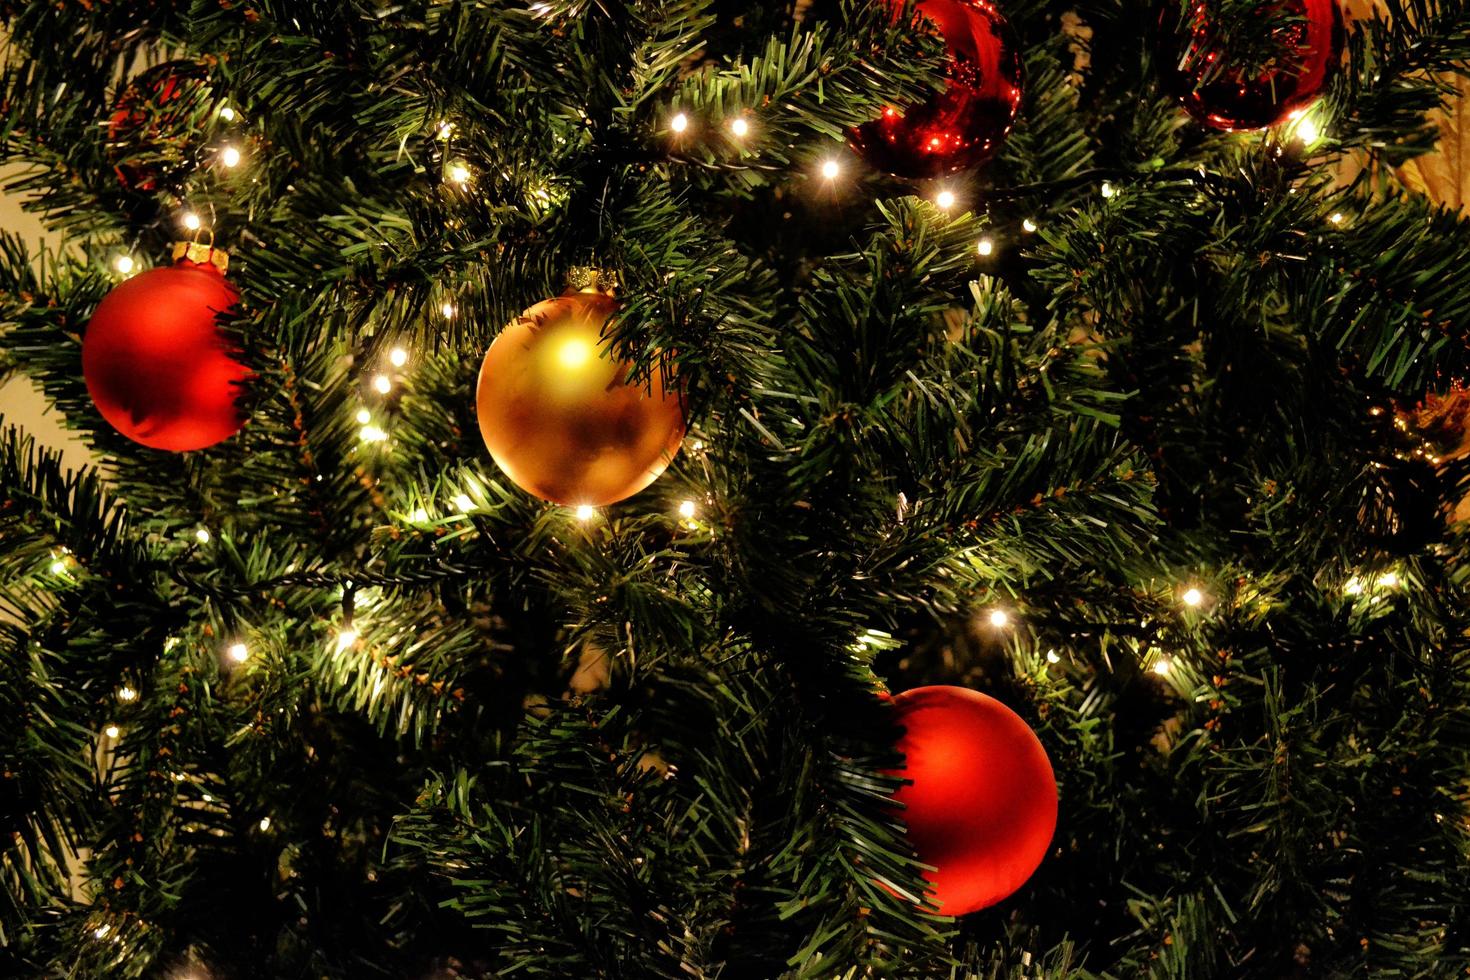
<point>149,128</point>
<point>157,366</point>
<point>964,125</point>
<point>558,415</point>
<point>1309,49</point>
<point>982,806</point>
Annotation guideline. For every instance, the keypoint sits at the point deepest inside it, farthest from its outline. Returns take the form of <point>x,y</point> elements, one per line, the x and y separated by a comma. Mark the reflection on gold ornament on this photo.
<point>558,414</point>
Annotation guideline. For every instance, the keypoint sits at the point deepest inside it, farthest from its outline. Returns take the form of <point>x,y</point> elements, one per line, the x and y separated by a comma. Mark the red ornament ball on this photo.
<point>1308,48</point>
<point>982,805</point>
<point>150,129</point>
<point>157,366</point>
<point>964,125</point>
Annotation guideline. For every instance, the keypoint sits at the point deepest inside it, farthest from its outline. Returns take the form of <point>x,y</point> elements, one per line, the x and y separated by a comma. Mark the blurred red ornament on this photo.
<point>149,126</point>
<point>965,124</point>
<point>1308,50</point>
<point>157,366</point>
<point>982,806</point>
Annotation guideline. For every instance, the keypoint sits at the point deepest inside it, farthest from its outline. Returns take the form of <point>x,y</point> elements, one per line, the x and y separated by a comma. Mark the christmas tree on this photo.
<point>1093,367</point>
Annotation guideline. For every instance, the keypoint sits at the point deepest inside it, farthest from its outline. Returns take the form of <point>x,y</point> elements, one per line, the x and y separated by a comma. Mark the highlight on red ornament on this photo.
<point>981,804</point>
<point>157,365</point>
<point>1221,93</point>
<point>964,125</point>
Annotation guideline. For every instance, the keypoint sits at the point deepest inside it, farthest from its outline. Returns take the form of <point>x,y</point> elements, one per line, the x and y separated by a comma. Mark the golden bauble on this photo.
<point>558,415</point>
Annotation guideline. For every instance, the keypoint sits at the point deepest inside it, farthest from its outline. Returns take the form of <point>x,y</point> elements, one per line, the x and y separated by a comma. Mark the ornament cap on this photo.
<point>590,279</point>
<point>201,254</point>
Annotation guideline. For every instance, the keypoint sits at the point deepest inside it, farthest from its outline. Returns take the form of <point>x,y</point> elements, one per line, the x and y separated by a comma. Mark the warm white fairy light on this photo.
<point>1388,580</point>
<point>585,512</point>
<point>226,113</point>
<point>1193,597</point>
<point>985,246</point>
<point>1028,225</point>
<point>999,618</point>
<point>58,566</point>
<point>1307,130</point>
<point>112,731</point>
<point>127,693</point>
<point>1107,189</point>
<point>364,416</point>
<point>419,516</point>
<point>447,309</point>
<point>1052,657</point>
<point>739,127</point>
<point>382,384</point>
<point>830,169</point>
<point>101,931</point>
<point>463,503</point>
<point>345,638</point>
<point>459,172</point>
<point>679,122</point>
<point>265,823</point>
<point>238,652</point>
<point>202,535</point>
<point>1353,586</point>
<point>123,264</point>
<point>372,433</point>
<point>446,129</point>
<point>1161,666</point>
<point>191,221</point>
<point>229,156</point>
<point>944,199</point>
<point>1335,217</point>
<point>398,357</point>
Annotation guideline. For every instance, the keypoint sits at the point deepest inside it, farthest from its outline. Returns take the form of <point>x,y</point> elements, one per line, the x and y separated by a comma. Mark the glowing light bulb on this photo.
<point>419,516</point>
<point>1161,666</point>
<point>447,309</point>
<point>371,433</point>
<point>58,566</point>
<point>191,221</point>
<point>830,169</point>
<point>739,127</point>
<point>999,618</point>
<point>123,264</point>
<point>1107,189</point>
<point>383,384</point>
<point>1353,586</point>
<point>202,535</point>
<point>687,509</point>
<point>573,353</point>
<point>229,156</point>
<point>985,246</point>
<point>1028,225</point>
<point>1193,597</point>
<point>1307,130</point>
<point>112,731</point>
<point>101,931</point>
<point>585,512</point>
<point>679,122</point>
<point>463,503</point>
<point>1388,580</point>
<point>1052,658</point>
<point>445,129</point>
<point>265,823</point>
<point>127,693</point>
<point>346,638</point>
<point>238,652</point>
<point>945,200</point>
<point>364,416</point>
<point>398,357</point>
<point>1335,217</point>
<point>226,113</point>
<point>459,173</point>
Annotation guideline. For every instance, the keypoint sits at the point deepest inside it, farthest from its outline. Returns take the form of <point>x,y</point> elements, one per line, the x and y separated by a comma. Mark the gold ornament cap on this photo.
<point>590,279</point>
<point>202,254</point>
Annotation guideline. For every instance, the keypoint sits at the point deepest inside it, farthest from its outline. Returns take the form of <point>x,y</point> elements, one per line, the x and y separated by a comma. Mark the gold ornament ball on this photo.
<point>558,415</point>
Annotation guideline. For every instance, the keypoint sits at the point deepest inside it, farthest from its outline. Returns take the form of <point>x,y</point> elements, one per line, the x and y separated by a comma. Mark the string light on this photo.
<point>265,823</point>
<point>1335,217</point>
<point>1107,189</point>
<point>238,652</point>
<point>383,384</point>
<point>999,618</point>
<point>202,535</point>
<point>371,433</point>
<point>1353,586</point>
<point>398,357</point>
<point>123,264</point>
<point>985,246</point>
<point>112,731</point>
<point>1028,225</point>
<point>364,416</point>
<point>346,638</point>
<point>1161,666</point>
<point>226,113</point>
<point>126,694</point>
<point>459,172</point>
<point>1193,597</point>
<point>585,512</point>
<point>739,127</point>
<point>58,566</point>
<point>679,122</point>
<point>1307,130</point>
<point>1052,658</point>
<point>945,200</point>
<point>687,510</point>
<point>446,128</point>
<point>419,516</point>
<point>463,503</point>
<point>447,309</point>
<point>101,931</point>
<point>191,221</point>
<point>229,156</point>
<point>830,169</point>
<point>1388,580</point>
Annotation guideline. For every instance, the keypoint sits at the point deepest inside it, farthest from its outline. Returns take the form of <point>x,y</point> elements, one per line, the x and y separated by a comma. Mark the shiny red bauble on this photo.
<point>150,127</point>
<point>1309,49</point>
<point>982,805</point>
<point>965,124</point>
<point>157,366</point>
